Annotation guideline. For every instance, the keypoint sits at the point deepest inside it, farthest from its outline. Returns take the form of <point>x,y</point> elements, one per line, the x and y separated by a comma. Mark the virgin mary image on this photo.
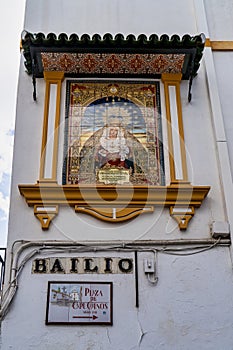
<point>114,148</point>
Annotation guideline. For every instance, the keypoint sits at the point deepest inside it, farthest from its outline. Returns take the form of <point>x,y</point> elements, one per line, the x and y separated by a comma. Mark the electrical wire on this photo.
<point>55,247</point>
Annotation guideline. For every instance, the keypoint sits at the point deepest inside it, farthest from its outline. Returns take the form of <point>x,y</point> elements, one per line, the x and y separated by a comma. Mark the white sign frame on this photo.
<point>87,303</point>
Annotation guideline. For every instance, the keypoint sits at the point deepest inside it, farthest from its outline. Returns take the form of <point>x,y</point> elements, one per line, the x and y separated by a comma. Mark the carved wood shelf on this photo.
<point>114,203</point>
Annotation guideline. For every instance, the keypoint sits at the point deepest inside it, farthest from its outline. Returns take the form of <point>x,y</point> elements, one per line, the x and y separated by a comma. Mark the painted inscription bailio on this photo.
<point>114,134</point>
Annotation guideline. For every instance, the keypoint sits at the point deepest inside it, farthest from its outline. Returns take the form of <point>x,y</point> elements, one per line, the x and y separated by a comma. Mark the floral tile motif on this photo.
<point>106,63</point>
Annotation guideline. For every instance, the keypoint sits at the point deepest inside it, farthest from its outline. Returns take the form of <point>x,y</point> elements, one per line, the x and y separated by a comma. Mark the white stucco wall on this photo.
<point>225,78</point>
<point>219,27</point>
<point>219,15</point>
<point>185,310</point>
<point>118,16</point>
<point>219,18</point>
<point>190,306</point>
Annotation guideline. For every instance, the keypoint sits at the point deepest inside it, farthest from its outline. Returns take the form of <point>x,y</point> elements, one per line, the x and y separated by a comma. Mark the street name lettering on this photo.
<point>83,265</point>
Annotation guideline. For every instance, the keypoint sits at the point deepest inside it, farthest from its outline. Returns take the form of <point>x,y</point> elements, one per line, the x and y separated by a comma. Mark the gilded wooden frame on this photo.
<point>113,202</point>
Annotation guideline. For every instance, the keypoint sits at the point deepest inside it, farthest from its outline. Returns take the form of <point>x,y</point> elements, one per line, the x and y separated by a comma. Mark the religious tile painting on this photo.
<point>113,133</point>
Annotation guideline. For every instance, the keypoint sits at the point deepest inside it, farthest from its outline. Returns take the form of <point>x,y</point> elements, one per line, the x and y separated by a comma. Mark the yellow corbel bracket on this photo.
<point>182,215</point>
<point>45,214</point>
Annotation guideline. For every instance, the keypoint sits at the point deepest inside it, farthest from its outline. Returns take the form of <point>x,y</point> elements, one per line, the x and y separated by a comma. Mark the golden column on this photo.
<point>175,131</point>
<point>49,149</point>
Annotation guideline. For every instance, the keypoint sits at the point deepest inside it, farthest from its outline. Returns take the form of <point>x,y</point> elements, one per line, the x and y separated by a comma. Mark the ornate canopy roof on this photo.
<point>108,56</point>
